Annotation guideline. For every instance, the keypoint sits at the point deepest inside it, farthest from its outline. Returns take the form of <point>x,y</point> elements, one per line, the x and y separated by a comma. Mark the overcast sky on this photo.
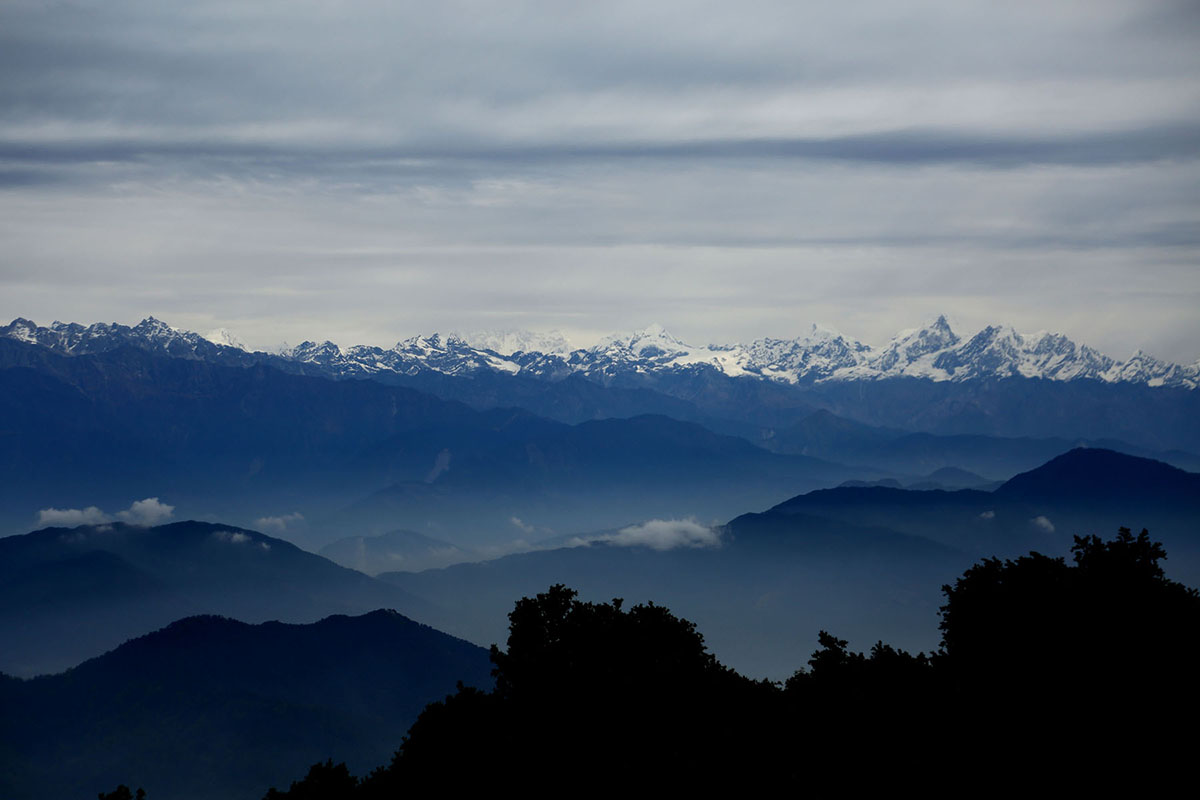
<point>364,171</point>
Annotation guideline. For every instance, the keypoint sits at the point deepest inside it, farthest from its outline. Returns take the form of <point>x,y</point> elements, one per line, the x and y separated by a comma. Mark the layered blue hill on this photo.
<point>211,708</point>
<point>69,593</point>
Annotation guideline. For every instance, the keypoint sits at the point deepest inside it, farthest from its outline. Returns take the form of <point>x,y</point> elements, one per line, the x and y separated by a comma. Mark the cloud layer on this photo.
<point>657,534</point>
<point>280,523</point>
<point>142,513</point>
<point>364,171</point>
<point>72,517</point>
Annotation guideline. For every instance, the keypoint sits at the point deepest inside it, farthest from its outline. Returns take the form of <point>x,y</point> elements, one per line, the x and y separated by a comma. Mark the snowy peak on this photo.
<point>915,347</point>
<point>154,328</point>
<point>310,352</point>
<point>451,356</point>
<point>996,351</point>
<point>510,342</point>
<point>819,333</point>
<point>651,349</point>
<point>1055,356</point>
<point>934,352</point>
<point>999,351</point>
<point>816,355</point>
<point>1144,368</point>
<point>21,329</point>
<point>149,334</point>
<point>653,341</point>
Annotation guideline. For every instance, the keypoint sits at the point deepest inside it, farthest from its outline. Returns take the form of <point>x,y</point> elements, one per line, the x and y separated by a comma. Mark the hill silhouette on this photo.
<point>67,594</point>
<point>1078,492</point>
<point>209,707</point>
<point>1106,477</point>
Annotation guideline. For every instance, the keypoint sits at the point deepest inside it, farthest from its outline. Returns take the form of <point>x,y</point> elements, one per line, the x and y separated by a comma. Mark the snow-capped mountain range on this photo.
<point>934,352</point>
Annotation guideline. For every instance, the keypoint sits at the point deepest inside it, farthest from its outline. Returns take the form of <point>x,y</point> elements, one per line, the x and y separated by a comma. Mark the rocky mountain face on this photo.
<point>934,353</point>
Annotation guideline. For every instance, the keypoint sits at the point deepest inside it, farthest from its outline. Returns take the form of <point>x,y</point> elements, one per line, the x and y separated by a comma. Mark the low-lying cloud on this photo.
<point>280,523</point>
<point>658,534</point>
<point>519,523</point>
<point>72,517</point>
<point>238,537</point>
<point>1043,524</point>
<point>440,465</point>
<point>146,513</point>
<point>141,513</point>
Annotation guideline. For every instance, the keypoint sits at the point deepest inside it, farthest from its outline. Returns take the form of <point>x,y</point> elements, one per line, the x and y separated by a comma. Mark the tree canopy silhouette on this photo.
<point>1040,662</point>
<point>123,792</point>
<point>582,685</point>
<point>323,781</point>
<point>1034,626</point>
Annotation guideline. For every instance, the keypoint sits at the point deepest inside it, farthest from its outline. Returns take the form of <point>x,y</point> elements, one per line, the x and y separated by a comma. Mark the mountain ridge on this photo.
<point>68,593</point>
<point>210,707</point>
<point>933,352</point>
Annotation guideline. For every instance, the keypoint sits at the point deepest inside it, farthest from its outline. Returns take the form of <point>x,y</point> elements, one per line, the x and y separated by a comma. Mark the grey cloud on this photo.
<point>363,171</point>
<point>280,523</point>
<point>658,534</point>
<point>908,147</point>
<point>142,513</point>
<point>147,513</point>
<point>239,538</point>
<point>629,72</point>
<point>1043,524</point>
<point>71,517</point>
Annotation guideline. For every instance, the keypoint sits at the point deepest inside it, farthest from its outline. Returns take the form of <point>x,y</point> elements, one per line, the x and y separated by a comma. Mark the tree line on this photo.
<point>1067,672</point>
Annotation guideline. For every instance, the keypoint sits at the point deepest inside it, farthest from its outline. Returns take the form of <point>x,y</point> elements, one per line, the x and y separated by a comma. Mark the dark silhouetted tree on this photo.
<point>586,694</point>
<point>123,792</point>
<point>1051,662</point>
<point>327,781</point>
<point>1039,627</point>
<point>1043,664</point>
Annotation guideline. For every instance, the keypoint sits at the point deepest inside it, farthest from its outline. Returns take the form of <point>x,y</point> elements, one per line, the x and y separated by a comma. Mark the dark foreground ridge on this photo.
<point>1044,665</point>
<point>210,708</point>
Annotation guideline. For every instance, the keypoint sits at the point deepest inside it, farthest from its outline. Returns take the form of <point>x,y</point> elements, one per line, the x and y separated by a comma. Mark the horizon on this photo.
<point>586,341</point>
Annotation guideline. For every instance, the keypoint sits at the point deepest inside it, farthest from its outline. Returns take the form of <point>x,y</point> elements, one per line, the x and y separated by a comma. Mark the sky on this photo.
<point>364,171</point>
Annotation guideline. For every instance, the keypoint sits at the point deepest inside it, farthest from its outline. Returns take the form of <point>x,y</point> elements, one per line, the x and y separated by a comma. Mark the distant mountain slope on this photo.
<point>1102,478</point>
<point>1087,490</point>
<point>408,551</point>
<point>93,429</point>
<point>1162,418</point>
<point>594,475</point>
<point>997,382</point>
<point>824,434</point>
<point>69,593</point>
<point>247,443</point>
<point>869,559</point>
<point>210,707</point>
<point>760,596</point>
